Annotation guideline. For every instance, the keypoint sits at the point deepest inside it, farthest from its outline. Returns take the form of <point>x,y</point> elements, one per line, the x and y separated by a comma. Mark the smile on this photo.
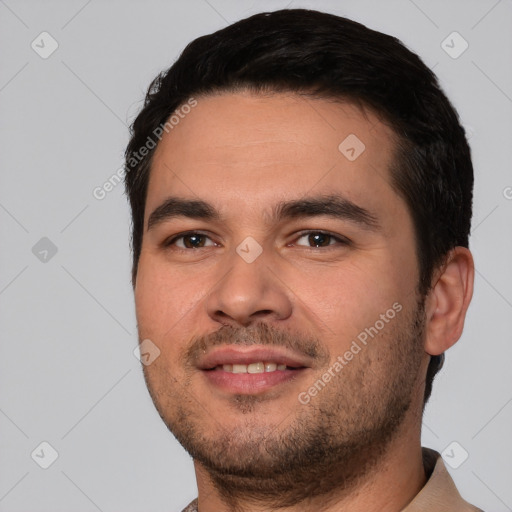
<point>259,367</point>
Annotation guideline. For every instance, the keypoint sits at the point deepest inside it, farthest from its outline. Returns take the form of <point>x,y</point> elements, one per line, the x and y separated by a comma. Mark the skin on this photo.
<point>244,153</point>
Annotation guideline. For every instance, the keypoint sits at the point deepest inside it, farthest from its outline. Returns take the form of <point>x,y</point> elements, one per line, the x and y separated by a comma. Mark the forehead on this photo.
<point>256,149</point>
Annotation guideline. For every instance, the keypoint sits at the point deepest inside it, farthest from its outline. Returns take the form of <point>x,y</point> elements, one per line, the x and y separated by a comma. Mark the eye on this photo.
<point>190,240</point>
<point>320,239</point>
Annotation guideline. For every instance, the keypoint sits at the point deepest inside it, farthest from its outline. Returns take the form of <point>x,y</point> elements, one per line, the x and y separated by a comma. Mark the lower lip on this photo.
<point>250,383</point>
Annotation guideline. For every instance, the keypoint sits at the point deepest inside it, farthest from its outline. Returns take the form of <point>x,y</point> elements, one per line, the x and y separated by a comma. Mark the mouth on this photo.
<point>251,370</point>
<point>259,367</point>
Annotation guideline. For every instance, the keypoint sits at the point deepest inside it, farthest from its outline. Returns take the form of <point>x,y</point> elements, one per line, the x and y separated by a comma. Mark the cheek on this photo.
<point>168,302</point>
<point>158,298</point>
<point>348,298</point>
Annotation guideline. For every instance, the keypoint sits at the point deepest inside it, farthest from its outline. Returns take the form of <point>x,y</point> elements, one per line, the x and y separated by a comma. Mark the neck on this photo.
<point>387,486</point>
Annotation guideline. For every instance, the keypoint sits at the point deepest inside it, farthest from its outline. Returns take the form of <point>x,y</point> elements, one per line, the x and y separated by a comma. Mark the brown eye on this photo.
<point>190,241</point>
<point>193,241</point>
<point>319,239</point>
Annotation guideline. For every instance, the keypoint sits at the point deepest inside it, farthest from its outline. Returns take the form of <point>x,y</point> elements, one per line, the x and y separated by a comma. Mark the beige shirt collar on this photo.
<point>439,494</point>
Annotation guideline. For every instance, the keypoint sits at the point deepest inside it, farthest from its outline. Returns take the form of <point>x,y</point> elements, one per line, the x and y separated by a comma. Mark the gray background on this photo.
<point>68,375</point>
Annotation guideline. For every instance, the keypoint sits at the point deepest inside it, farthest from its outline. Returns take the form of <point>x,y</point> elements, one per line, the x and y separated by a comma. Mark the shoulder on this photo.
<point>439,493</point>
<point>192,507</point>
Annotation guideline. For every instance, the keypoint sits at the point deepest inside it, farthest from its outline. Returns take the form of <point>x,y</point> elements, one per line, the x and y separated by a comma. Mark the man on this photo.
<point>301,194</point>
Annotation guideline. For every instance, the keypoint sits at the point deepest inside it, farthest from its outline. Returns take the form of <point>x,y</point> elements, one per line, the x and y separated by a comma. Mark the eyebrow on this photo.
<point>174,207</point>
<point>335,206</point>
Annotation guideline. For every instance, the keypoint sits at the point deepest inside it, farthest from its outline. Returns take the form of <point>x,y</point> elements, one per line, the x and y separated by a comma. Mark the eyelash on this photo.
<point>341,240</point>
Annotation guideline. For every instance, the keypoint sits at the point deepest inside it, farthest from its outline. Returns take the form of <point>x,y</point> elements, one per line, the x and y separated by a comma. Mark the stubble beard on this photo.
<point>329,444</point>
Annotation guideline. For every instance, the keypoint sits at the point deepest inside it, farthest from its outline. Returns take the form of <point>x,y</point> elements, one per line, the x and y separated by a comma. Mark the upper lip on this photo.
<point>236,354</point>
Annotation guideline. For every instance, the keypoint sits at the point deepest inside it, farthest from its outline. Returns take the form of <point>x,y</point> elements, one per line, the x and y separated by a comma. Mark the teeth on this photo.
<point>259,367</point>
<point>256,368</point>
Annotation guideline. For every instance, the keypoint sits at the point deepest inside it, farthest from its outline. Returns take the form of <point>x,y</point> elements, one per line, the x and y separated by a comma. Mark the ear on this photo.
<point>448,301</point>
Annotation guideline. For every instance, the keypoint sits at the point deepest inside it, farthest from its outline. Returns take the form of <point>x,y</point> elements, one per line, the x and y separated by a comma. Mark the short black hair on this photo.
<point>326,56</point>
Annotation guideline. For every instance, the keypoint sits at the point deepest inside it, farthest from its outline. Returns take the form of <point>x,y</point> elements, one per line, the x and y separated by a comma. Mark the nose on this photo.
<point>248,293</point>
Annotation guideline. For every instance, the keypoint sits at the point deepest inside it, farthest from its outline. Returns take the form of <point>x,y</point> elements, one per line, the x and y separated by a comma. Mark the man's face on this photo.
<point>255,283</point>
